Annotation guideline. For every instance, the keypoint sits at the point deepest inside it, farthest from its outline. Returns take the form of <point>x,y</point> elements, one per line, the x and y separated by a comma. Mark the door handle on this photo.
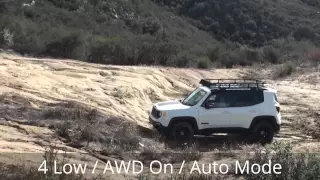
<point>253,111</point>
<point>225,112</point>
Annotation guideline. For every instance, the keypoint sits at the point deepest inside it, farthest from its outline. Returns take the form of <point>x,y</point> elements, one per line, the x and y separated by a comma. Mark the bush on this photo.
<point>295,166</point>
<point>151,26</point>
<point>252,22</point>
<point>204,63</point>
<point>183,59</point>
<point>214,54</point>
<point>80,125</point>
<point>66,47</point>
<point>314,57</point>
<point>70,111</point>
<point>141,32</point>
<point>271,54</point>
<point>6,38</point>
<point>53,161</point>
<point>303,32</point>
<point>117,32</point>
<point>284,70</point>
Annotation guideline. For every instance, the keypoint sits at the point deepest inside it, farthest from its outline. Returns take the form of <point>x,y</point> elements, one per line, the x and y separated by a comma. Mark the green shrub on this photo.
<point>142,32</point>
<point>6,38</point>
<point>66,47</point>
<point>271,54</point>
<point>284,70</point>
<point>214,54</point>
<point>70,111</point>
<point>295,166</point>
<point>203,63</point>
<point>185,59</point>
<point>151,26</point>
<point>54,161</point>
<point>253,22</point>
<point>303,32</point>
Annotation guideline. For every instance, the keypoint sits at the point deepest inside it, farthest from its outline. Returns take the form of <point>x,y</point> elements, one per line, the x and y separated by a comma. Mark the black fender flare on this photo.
<point>188,119</point>
<point>270,119</point>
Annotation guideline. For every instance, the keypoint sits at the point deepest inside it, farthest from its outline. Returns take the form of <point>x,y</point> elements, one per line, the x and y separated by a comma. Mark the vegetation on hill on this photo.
<point>252,22</point>
<point>191,33</point>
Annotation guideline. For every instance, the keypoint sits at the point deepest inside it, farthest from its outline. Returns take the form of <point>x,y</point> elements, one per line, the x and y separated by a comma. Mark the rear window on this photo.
<point>248,98</point>
<point>275,97</point>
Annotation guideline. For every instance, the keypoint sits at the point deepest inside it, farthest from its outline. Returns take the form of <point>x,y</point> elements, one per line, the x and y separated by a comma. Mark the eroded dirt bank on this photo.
<point>36,94</point>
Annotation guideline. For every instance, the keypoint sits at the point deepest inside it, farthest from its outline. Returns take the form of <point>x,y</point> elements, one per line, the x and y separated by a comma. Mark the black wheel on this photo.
<point>263,132</point>
<point>182,132</point>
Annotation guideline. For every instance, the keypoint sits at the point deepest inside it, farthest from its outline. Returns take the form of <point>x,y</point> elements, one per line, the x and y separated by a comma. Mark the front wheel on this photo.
<point>263,132</point>
<point>182,132</point>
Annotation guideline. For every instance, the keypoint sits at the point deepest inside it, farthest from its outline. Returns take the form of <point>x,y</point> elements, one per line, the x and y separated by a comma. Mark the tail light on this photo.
<point>278,109</point>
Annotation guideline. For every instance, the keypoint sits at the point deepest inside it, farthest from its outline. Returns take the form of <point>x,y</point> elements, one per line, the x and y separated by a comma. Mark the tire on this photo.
<point>263,132</point>
<point>182,132</point>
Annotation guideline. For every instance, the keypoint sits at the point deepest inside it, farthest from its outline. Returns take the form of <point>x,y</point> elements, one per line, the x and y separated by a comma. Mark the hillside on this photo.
<point>102,110</point>
<point>78,79</point>
<point>253,22</point>
<point>111,32</point>
<point>180,33</point>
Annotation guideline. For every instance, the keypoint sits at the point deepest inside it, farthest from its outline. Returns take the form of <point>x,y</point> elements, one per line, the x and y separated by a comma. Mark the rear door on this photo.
<point>245,107</point>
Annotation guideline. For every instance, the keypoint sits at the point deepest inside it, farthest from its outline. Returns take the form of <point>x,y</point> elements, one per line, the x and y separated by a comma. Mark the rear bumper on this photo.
<point>277,128</point>
<point>278,124</point>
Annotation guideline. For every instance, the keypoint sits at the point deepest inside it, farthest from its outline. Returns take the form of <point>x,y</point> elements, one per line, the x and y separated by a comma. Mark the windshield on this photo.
<point>194,97</point>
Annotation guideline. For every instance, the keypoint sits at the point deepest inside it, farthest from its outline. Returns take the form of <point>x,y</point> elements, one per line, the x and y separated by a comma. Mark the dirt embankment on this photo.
<point>36,94</point>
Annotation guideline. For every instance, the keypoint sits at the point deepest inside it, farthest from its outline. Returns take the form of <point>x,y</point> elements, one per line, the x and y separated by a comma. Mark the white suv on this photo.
<point>221,106</point>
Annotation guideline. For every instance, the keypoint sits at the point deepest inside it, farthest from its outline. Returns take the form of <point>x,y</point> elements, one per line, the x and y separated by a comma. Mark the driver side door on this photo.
<point>217,114</point>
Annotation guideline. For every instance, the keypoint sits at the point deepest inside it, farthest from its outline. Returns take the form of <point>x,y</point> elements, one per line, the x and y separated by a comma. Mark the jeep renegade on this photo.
<point>221,106</point>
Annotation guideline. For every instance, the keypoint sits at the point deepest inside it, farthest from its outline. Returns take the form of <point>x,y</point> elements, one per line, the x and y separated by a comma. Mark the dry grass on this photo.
<point>81,125</point>
<point>284,70</point>
<point>294,166</point>
<point>313,126</point>
<point>27,172</point>
<point>166,155</point>
<point>252,74</point>
<point>70,111</point>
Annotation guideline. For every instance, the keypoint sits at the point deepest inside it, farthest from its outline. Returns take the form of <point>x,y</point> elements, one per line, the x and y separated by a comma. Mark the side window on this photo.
<point>221,99</point>
<point>248,98</point>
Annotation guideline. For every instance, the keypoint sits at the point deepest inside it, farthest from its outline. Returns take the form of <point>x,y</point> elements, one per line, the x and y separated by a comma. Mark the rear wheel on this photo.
<point>263,132</point>
<point>182,132</point>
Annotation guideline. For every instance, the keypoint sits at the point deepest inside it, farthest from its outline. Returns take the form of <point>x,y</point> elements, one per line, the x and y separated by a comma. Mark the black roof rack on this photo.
<point>233,83</point>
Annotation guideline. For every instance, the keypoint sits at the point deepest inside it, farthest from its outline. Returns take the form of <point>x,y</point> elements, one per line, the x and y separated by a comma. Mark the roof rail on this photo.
<point>233,83</point>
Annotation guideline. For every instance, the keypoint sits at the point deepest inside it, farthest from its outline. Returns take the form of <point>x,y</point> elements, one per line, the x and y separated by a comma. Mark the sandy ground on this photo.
<point>129,92</point>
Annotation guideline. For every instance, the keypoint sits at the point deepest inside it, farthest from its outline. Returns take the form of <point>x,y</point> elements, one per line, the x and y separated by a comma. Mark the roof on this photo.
<point>271,90</point>
<point>233,84</point>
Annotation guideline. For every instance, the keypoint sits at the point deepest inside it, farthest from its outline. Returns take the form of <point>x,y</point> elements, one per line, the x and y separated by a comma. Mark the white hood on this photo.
<point>170,105</point>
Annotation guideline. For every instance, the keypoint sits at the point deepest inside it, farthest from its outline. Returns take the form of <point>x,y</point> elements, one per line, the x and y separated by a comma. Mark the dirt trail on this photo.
<point>127,92</point>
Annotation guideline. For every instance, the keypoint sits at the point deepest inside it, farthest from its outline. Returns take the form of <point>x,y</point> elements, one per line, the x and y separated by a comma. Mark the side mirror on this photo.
<point>209,105</point>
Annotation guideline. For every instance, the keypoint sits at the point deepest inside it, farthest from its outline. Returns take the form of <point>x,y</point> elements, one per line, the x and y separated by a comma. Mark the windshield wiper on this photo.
<point>182,102</point>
